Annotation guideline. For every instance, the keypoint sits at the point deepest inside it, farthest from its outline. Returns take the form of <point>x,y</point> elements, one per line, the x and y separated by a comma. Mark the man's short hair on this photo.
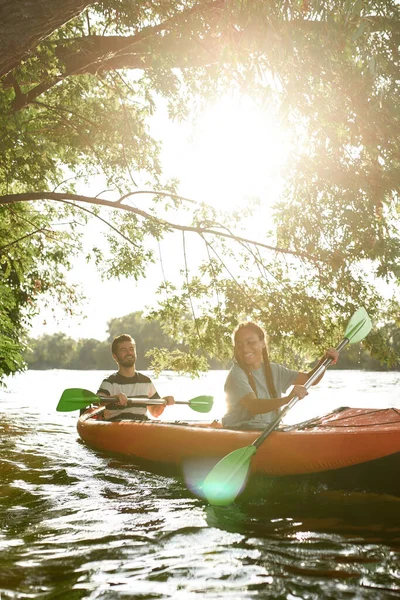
<point>124,337</point>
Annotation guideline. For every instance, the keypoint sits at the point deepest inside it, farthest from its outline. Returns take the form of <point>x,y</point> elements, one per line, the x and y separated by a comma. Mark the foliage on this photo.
<point>58,351</point>
<point>79,105</point>
<point>34,260</point>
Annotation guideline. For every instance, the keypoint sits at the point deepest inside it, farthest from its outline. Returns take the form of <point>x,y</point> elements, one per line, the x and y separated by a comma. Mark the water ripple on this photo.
<point>76,524</point>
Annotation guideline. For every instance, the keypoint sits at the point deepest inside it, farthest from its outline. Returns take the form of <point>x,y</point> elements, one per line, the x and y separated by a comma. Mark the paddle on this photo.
<point>227,478</point>
<point>77,398</point>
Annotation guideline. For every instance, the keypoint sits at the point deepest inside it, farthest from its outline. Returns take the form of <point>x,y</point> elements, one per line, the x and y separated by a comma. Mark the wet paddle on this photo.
<point>77,398</point>
<point>227,478</point>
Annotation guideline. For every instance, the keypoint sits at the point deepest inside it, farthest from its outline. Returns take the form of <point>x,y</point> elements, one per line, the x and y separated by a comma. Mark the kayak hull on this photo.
<point>344,438</point>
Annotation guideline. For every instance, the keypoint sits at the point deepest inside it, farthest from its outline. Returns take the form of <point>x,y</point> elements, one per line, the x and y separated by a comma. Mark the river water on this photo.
<point>76,524</point>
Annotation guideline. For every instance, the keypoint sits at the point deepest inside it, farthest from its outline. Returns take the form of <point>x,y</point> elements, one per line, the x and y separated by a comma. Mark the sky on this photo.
<point>232,153</point>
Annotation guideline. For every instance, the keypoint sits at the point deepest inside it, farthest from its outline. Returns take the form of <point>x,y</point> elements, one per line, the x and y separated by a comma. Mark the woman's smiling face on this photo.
<point>248,348</point>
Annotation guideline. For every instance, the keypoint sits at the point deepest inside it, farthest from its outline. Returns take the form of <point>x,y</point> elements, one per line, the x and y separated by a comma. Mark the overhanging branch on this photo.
<point>117,204</point>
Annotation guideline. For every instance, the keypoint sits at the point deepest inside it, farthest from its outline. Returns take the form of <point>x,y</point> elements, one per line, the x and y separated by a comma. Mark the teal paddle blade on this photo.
<point>75,399</point>
<point>227,478</point>
<point>358,327</point>
<point>202,404</point>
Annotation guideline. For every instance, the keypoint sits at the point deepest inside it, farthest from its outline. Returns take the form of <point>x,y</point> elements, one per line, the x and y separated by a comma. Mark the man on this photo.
<point>128,382</point>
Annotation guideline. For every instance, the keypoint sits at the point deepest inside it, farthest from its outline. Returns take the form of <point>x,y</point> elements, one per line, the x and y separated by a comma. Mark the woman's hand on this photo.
<point>333,354</point>
<point>298,390</point>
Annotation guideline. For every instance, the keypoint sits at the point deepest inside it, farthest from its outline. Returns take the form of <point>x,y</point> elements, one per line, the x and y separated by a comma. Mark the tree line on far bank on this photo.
<point>59,351</point>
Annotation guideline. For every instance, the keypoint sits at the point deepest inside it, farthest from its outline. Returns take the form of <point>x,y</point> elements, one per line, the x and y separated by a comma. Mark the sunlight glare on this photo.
<point>237,152</point>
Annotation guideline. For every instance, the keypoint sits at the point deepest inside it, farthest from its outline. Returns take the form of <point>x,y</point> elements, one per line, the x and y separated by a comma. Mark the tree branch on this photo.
<point>158,46</point>
<point>63,197</point>
<point>25,23</point>
<point>24,237</point>
<point>93,54</point>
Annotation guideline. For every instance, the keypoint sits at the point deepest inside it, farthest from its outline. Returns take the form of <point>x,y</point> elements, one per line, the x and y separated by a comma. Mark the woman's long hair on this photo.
<point>259,331</point>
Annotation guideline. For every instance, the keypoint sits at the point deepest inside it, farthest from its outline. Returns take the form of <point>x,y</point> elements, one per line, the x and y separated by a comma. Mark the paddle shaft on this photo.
<point>134,401</point>
<point>323,366</point>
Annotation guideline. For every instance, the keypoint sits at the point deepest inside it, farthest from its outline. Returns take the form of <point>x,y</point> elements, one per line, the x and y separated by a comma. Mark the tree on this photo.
<point>58,351</point>
<point>147,334</point>
<point>52,351</point>
<point>75,101</point>
<point>357,357</point>
<point>34,260</point>
<point>24,24</point>
<point>86,353</point>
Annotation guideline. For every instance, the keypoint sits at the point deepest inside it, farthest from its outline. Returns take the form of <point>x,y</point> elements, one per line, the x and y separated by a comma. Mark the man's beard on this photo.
<point>128,361</point>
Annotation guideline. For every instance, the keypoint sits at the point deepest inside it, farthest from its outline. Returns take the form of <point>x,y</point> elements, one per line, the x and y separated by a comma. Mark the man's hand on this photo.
<point>169,400</point>
<point>122,400</point>
<point>157,411</point>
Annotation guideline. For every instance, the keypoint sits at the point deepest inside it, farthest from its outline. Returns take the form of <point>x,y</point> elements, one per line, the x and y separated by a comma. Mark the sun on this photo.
<point>236,151</point>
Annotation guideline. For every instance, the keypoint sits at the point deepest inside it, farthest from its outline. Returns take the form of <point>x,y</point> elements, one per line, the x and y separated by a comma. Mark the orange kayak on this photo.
<point>340,439</point>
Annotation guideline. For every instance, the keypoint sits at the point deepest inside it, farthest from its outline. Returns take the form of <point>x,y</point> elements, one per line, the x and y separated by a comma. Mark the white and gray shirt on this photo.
<point>237,386</point>
<point>139,386</point>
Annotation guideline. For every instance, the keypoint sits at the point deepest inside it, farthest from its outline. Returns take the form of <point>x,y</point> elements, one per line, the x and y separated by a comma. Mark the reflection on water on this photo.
<point>78,524</point>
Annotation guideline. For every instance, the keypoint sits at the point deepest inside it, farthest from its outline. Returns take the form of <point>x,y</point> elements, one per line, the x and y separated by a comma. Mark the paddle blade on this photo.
<point>75,399</point>
<point>225,481</point>
<point>202,404</point>
<point>358,327</point>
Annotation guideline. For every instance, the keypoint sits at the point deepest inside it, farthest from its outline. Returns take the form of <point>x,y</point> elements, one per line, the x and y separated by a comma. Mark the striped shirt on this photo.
<point>139,386</point>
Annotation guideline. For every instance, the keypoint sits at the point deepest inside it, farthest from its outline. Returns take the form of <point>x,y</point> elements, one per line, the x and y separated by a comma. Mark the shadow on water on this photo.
<point>290,506</point>
<point>324,543</point>
<point>280,508</point>
<point>357,501</point>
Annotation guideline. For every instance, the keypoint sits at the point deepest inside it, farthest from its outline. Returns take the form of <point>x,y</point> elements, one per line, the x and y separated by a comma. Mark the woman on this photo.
<point>254,386</point>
